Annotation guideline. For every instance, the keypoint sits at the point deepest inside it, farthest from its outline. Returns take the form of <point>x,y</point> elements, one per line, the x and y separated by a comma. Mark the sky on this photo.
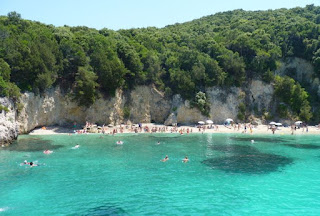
<point>125,14</point>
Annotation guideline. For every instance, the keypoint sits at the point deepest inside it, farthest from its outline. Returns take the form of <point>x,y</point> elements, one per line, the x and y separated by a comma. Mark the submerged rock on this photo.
<point>249,163</point>
<point>32,144</point>
<point>303,146</point>
<point>106,210</point>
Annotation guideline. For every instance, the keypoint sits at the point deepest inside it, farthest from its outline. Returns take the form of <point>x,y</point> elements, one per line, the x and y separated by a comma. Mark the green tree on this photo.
<point>202,102</point>
<point>5,70</point>
<point>85,89</point>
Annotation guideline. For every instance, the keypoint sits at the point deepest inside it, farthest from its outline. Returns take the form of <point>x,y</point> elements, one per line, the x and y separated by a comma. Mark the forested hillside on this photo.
<point>226,49</point>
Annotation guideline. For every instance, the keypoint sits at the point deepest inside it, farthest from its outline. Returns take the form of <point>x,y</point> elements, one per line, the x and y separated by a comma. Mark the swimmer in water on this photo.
<point>32,164</point>
<point>119,142</point>
<point>165,159</point>
<point>76,146</point>
<point>185,160</point>
<point>25,162</point>
<point>158,143</point>
<point>47,151</point>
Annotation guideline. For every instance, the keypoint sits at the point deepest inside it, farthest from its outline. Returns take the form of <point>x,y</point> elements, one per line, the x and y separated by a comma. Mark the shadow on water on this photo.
<point>108,210</point>
<point>235,149</point>
<point>303,146</point>
<point>32,144</point>
<point>250,164</point>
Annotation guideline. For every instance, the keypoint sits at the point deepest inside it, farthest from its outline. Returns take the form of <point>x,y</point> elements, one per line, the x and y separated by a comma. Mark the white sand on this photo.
<point>261,129</point>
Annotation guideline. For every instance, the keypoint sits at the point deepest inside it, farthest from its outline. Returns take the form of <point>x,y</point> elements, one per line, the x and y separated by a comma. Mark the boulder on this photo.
<point>171,120</point>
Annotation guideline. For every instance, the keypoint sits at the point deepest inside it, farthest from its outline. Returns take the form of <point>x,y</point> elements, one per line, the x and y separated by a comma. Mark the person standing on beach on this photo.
<point>292,129</point>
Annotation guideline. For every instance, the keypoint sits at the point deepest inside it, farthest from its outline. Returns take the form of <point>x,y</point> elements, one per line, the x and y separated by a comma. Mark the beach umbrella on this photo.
<point>200,122</point>
<point>278,124</point>
<point>110,125</point>
<point>229,120</point>
<point>272,123</point>
<point>298,122</point>
<point>209,122</point>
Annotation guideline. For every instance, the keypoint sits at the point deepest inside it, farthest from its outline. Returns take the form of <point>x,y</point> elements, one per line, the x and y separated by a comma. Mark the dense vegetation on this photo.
<point>225,49</point>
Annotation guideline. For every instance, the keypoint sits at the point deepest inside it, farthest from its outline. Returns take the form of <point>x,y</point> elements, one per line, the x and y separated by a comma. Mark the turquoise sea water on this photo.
<point>227,175</point>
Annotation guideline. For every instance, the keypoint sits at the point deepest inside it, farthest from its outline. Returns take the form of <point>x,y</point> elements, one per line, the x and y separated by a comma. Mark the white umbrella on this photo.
<point>272,123</point>
<point>278,124</point>
<point>110,125</point>
<point>229,120</point>
<point>209,122</point>
<point>298,122</point>
<point>200,122</point>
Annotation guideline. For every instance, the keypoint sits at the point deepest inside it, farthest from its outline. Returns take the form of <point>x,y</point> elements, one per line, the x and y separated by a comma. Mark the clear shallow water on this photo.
<point>226,175</point>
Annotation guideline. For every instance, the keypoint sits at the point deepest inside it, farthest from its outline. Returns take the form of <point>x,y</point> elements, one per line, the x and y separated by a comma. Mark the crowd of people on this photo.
<point>139,128</point>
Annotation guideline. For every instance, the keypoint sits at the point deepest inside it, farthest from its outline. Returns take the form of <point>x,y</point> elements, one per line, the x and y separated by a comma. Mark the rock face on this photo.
<point>171,120</point>
<point>224,103</point>
<point>297,68</point>
<point>144,104</point>
<point>147,104</point>
<point>302,71</point>
<point>8,123</point>
<point>260,96</point>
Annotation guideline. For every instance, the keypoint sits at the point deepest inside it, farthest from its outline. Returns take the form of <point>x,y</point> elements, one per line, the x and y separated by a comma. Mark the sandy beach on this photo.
<point>260,129</point>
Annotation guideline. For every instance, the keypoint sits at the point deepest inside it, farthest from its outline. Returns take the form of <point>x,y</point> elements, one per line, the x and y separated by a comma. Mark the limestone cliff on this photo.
<point>144,103</point>
<point>8,123</point>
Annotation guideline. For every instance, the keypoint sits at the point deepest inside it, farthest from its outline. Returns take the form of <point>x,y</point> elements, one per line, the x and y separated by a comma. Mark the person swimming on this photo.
<point>158,143</point>
<point>47,151</point>
<point>76,146</point>
<point>165,159</point>
<point>32,164</point>
<point>25,162</point>
<point>119,142</point>
<point>185,160</point>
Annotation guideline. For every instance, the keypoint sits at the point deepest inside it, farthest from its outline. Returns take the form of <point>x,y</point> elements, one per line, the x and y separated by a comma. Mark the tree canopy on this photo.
<point>224,49</point>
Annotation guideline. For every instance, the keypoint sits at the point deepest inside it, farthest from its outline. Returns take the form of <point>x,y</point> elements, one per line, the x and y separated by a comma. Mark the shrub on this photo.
<point>241,111</point>
<point>202,103</point>
<point>126,112</point>
<point>4,108</point>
